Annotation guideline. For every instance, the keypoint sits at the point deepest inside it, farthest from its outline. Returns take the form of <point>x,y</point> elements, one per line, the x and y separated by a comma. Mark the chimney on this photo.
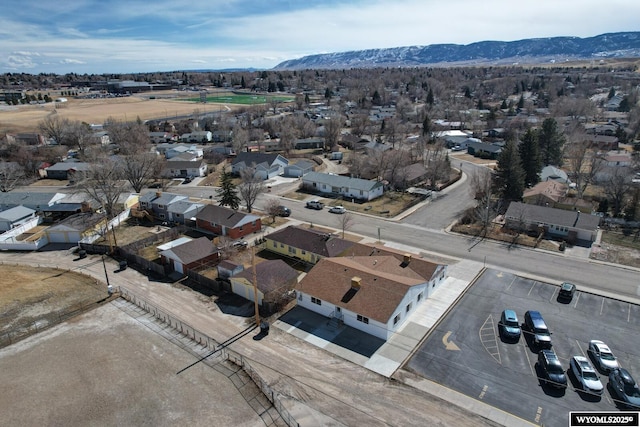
<point>355,283</point>
<point>577,218</point>
<point>158,193</point>
<point>406,259</point>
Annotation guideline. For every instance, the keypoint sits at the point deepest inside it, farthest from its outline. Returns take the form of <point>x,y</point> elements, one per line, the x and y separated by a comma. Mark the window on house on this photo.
<point>282,245</point>
<point>316,301</point>
<point>161,216</point>
<point>292,250</point>
<point>160,206</point>
<point>408,307</point>
<point>396,319</point>
<point>241,227</point>
<point>299,296</point>
<point>253,224</point>
<point>420,296</point>
<point>213,224</point>
<point>363,319</point>
<point>304,252</point>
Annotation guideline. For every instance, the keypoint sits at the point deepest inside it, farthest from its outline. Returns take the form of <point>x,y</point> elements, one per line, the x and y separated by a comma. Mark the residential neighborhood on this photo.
<point>317,224</point>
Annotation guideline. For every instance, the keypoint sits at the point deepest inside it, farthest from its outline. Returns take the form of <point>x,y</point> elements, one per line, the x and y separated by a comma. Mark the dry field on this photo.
<point>25,118</point>
<point>107,368</point>
<point>42,295</point>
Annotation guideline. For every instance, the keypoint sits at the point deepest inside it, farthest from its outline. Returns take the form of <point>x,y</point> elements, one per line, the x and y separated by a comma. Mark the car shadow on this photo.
<point>577,387</point>
<point>530,340</point>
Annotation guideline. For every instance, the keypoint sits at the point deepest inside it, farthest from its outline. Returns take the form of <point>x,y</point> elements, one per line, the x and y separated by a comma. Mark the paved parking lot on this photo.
<point>465,352</point>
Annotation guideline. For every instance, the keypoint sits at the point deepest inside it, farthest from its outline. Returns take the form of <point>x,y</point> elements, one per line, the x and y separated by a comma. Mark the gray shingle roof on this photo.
<point>312,241</point>
<point>342,181</point>
<point>192,251</point>
<point>271,275</point>
<point>225,216</point>
<point>545,215</point>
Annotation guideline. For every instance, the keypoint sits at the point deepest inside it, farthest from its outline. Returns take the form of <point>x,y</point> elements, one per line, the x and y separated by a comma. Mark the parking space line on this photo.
<point>629,314</point>
<point>512,280</point>
<point>577,298</point>
<point>580,348</point>
<point>553,294</point>
<point>532,286</point>
<point>489,339</point>
<point>526,353</point>
<point>602,306</point>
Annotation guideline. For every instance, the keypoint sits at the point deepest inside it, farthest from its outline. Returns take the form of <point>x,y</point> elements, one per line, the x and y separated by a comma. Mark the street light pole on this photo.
<point>109,288</point>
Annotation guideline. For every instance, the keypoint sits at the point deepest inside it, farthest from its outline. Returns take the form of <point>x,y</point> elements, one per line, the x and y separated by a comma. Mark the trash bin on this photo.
<point>264,328</point>
<point>82,253</point>
<point>123,265</point>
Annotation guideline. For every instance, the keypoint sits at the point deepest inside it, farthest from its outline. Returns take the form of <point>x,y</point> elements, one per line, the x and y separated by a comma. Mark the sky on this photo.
<point>134,36</point>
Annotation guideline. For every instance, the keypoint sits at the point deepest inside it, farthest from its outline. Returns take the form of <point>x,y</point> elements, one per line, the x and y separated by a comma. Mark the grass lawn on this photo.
<point>619,239</point>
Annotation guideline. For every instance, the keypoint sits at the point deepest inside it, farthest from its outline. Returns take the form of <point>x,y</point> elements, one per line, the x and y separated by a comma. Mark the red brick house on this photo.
<point>227,222</point>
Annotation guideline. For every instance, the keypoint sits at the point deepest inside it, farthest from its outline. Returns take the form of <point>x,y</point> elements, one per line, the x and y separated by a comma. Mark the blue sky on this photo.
<point>118,36</point>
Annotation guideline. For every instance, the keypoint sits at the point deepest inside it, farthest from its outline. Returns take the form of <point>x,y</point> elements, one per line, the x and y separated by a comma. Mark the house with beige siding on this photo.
<point>306,244</point>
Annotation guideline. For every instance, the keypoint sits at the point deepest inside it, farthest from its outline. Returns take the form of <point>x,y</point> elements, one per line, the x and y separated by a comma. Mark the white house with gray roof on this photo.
<point>572,226</point>
<point>183,210</point>
<point>35,201</point>
<point>158,203</point>
<point>352,188</point>
<point>15,217</point>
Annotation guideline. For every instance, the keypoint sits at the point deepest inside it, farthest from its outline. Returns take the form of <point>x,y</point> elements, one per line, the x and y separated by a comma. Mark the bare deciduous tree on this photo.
<point>272,208</point>
<point>616,188</point>
<point>250,187</point>
<point>332,128</point>
<point>482,189</point>
<point>345,221</point>
<point>437,164</point>
<point>142,169</point>
<point>240,138</point>
<point>104,183</point>
<point>584,164</point>
<point>56,128</point>
<point>11,174</point>
<point>131,138</point>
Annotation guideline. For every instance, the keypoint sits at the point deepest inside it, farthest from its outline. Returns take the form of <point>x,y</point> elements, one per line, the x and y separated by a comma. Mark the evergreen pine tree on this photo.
<point>530,158</point>
<point>430,99</point>
<point>509,178</point>
<point>227,192</point>
<point>551,143</point>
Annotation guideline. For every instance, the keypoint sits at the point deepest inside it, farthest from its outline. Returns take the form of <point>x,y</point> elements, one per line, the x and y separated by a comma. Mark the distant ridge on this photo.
<point>527,51</point>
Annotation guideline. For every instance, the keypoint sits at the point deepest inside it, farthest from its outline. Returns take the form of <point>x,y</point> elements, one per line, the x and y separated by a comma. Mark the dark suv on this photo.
<point>566,292</point>
<point>552,373</point>
<point>535,324</point>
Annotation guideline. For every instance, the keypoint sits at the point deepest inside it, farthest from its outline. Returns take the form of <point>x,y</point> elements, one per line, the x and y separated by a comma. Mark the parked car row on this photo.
<point>318,205</point>
<point>622,386</point>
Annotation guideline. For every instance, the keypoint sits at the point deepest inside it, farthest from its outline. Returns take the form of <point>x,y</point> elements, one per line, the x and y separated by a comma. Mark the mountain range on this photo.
<point>527,51</point>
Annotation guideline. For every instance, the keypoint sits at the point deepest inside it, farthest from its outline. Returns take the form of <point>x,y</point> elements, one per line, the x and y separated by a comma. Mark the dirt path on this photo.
<point>316,381</point>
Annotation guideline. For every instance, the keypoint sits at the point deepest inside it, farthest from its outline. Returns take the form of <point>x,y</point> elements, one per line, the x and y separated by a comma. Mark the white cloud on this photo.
<point>103,36</point>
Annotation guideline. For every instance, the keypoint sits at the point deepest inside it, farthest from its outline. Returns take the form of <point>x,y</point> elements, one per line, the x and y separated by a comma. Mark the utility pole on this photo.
<point>255,285</point>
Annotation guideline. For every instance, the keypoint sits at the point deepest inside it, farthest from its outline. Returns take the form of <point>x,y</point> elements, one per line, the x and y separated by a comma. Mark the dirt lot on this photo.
<point>42,295</point>
<point>107,368</point>
<point>25,118</point>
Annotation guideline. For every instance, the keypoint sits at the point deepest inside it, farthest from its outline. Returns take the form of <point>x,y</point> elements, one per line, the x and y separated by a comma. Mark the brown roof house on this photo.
<point>190,254</point>
<point>375,293</point>
<point>306,244</point>
<point>554,194</point>
<point>275,280</point>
